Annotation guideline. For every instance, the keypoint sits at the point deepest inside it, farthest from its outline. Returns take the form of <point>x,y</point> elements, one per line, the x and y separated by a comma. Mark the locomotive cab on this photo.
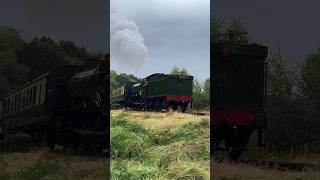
<point>237,95</point>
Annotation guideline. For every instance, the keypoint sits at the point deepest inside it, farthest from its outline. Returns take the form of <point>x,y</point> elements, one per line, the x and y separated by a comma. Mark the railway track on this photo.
<point>198,113</point>
<point>192,113</point>
<point>267,164</point>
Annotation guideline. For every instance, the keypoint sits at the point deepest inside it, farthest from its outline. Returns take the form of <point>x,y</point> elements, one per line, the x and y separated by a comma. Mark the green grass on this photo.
<point>55,170</point>
<point>170,153</point>
<point>146,116</point>
<point>3,170</point>
<point>51,170</point>
<point>58,170</point>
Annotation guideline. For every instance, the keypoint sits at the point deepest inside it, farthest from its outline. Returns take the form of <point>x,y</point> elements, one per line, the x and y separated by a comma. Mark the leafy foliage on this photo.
<point>117,80</point>
<point>201,94</point>
<point>177,71</point>
<point>220,30</point>
<point>21,61</point>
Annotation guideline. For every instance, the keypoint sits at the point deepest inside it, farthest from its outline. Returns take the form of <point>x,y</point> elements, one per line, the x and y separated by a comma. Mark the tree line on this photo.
<point>293,96</point>
<point>22,61</point>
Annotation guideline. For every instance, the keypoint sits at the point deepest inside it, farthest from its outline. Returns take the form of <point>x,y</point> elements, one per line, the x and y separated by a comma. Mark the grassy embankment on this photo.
<point>150,145</point>
<point>227,171</point>
<point>44,164</point>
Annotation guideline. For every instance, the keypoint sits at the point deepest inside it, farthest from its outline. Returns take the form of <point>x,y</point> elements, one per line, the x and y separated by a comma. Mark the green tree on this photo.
<point>179,71</point>
<point>234,30</point>
<point>117,80</point>
<point>200,95</point>
<point>238,27</point>
<point>10,39</point>
<point>73,54</point>
<point>206,87</point>
<point>12,73</point>
<point>216,28</point>
<point>287,108</point>
<point>41,55</point>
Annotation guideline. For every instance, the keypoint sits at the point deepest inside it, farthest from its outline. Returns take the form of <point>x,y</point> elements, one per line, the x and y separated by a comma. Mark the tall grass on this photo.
<point>169,153</point>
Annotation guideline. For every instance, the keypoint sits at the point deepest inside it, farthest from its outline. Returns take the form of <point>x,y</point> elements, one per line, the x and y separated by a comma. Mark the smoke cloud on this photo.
<point>126,42</point>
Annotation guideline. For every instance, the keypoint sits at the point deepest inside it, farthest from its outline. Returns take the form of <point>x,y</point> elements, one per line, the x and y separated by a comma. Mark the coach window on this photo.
<point>28,97</point>
<point>39,98</point>
<point>27,100</point>
<point>23,100</point>
<point>11,105</point>
<point>6,106</point>
<point>19,101</point>
<point>15,102</point>
<point>34,95</point>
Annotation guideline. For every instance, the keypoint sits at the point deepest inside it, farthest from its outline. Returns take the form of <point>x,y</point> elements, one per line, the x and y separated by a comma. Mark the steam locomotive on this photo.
<point>156,92</point>
<point>66,106</point>
<point>237,95</point>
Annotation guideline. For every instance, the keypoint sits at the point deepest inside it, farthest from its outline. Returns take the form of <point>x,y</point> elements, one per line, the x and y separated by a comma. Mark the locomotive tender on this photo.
<point>66,106</point>
<point>237,95</point>
<point>156,92</point>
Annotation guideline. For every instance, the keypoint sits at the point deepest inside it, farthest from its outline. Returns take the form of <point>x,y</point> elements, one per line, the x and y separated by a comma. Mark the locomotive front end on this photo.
<point>81,123</point>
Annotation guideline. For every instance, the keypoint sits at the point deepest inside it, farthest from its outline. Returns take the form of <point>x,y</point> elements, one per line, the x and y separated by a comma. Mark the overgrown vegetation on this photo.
<point>167,153</point>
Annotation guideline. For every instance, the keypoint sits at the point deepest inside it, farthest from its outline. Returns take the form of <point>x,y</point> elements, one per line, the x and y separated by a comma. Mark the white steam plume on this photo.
<point>127,44</point>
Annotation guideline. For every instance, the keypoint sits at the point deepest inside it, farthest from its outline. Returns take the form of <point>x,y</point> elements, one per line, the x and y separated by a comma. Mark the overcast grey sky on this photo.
<point>82,21</point>
<point>175,32</point>
<point>291,24</point>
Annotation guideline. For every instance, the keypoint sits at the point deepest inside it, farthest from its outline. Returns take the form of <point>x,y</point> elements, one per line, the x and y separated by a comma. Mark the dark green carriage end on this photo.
<point>169,85</point>
<point>238,75</point>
